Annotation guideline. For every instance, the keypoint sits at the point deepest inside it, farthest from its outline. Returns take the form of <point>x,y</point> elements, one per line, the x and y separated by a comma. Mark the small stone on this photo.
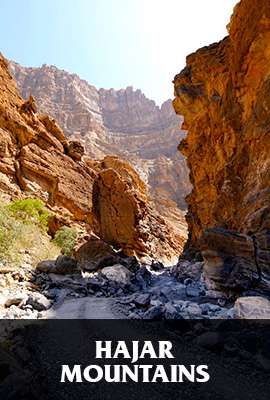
<point>38,301</point>
<point>154,313</point>
<point>46,266</point>
<point>171,311</point>
<point>142,300</point>
<point>134,315</point>
<point>192,291</point>
<point>157,266</point>
<point>16,299</point>
<point>193,309</point>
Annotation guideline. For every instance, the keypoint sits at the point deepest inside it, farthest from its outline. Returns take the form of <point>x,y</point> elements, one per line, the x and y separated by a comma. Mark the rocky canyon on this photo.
<point>114,122</point>
<point>109,163</point>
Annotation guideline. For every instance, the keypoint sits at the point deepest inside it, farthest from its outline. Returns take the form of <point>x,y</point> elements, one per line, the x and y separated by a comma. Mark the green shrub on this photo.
<point>65,238</point>
<point>31,211</point>
<point>10,230</point>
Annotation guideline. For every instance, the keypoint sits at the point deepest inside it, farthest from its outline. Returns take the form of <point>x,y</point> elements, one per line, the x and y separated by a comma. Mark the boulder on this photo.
<point>117,273</point>
<point>38,301</point>
<point>154,313</point>
<point>252,308</point>
<point>187,270</point>
<point>91,252</point>
<point>142,300</point>
<point>127,219</point>
<point>46,266</point>
<point>65,265</point>
<point>16,299</point>
<point>229,259</point>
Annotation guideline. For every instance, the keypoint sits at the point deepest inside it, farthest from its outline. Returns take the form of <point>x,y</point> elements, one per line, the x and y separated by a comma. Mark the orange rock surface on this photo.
<point>127,219</point>
<point>224,96</point>
<point>33,156</point>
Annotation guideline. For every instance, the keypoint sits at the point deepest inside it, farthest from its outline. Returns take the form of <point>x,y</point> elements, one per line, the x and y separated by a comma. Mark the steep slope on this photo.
<point>113,122</point>
<point>223,94</point>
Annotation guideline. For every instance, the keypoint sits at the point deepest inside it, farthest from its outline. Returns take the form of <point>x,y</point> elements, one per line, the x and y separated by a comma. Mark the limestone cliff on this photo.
<point>113,122</point>
<point>38,160</point>
<point>223,94</point>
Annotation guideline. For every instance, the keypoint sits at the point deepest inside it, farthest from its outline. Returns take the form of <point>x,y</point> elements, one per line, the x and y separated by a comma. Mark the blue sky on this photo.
<point>113,43</point>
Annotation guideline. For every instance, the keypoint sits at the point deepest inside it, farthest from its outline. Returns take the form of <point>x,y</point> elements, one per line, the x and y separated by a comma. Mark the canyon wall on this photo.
<point>113,122</point>
<point>37,160</point>
<point>223,94</point>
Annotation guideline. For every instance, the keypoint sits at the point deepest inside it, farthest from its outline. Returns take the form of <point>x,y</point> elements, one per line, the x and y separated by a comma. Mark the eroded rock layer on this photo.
<point>35,156</point>
<point>113,122</point>
<point>223,94</point>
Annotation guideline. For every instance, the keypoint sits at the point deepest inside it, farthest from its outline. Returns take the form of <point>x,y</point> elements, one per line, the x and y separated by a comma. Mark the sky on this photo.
<point>113,43</point>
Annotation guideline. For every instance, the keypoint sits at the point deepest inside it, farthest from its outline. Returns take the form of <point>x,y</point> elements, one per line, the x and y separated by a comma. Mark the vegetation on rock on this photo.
<point>65,238</point>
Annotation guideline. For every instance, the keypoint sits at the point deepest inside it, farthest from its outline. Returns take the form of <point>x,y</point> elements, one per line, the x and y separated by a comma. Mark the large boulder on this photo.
<point>117,273</point>
<point>229,259</point>
<point>252,307</point>
<point>127,219</point>
<point>91,251</point>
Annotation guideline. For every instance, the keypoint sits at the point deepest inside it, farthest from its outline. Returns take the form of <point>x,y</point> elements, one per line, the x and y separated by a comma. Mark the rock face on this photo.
<point>126,218</point>
<point>38,160</point>
<point>34,156</point>
<point>223,94</point>
<point>113,122</point>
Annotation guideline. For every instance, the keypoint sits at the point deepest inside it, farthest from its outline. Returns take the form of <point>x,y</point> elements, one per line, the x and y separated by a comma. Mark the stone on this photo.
<point>117,273</point>
<point>252,308</point>
<point>229,259</point>
<point>157,266</point>
<point>142,300</point>
<point>65,265</point>
<point>171,311</point>
<point>223,94</point>
<point>75,150</point>
<point>46,266</point>
<point>193,310</point>
<point>194,291</point>
<point>154,313</point>
<point>131,263</point>
<point>187,270</point>
<point>38,301</point>
<point>16,299</point>
<point>91,252</point>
